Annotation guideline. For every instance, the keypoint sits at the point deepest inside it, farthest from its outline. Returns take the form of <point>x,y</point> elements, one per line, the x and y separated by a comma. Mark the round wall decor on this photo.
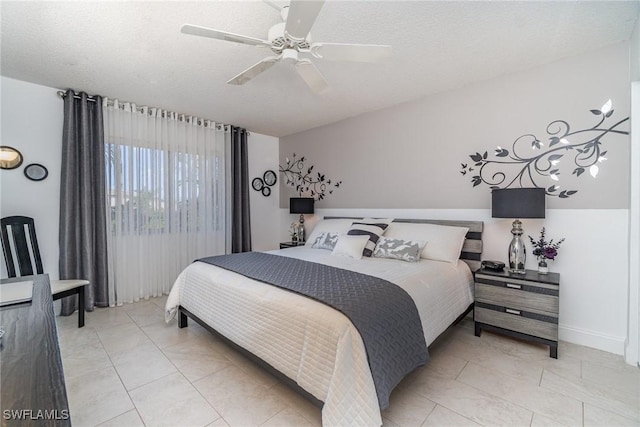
<point>257,184</point>
<point>270,178</point>
<point>36,172</point>
<point>10,158</point>
<point>263,184</point>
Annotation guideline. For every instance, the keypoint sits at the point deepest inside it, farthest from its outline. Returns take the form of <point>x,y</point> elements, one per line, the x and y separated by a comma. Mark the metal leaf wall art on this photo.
<point>528,163</point>
<point>305,181</point>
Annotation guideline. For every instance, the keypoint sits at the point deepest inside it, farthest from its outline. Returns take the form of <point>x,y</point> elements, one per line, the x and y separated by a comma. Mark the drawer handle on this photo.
<point>510,311</point>
<point>512,286</point>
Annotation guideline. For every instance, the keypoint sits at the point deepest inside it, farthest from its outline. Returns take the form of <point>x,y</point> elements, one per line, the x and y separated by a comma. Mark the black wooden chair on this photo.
<point>27,253</point>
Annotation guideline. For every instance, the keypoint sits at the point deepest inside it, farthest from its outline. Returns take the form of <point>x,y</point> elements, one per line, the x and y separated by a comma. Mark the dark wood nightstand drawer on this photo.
<point>518,297</point>
<point>515,320</point>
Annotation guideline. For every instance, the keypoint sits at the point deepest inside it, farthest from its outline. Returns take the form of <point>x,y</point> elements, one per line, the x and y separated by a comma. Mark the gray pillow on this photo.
<point>405,250</point>
<point>325,241</point>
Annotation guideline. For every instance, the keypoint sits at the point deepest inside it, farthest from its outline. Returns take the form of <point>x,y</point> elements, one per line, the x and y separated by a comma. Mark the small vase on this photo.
<point>542,267</point>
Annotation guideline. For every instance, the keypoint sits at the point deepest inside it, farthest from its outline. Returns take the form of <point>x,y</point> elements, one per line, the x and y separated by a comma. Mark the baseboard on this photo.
<point>592,339</point>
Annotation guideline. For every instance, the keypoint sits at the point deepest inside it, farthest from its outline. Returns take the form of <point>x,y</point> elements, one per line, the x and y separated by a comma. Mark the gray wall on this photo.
<point>409,156</point>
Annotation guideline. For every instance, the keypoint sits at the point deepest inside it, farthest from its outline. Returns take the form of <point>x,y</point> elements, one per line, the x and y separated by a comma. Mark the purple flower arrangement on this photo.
<point>543,249</point>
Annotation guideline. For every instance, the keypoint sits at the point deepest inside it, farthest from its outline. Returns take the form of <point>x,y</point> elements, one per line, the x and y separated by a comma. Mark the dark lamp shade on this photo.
<point>518,203</point>
<point>301,205</point>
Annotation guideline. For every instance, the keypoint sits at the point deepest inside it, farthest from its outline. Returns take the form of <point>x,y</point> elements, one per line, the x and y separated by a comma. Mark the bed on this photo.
<point>315,347</point>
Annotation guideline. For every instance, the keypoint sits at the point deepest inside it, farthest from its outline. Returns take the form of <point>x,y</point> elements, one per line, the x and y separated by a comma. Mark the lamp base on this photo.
<point>517,251</point>
<point>301,236</point>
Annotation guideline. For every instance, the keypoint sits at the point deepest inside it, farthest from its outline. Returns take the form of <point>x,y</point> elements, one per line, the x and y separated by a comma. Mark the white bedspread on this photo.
<point>311,343</point>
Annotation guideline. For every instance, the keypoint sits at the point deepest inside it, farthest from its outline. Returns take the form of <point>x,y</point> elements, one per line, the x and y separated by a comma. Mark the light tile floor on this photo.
<point>126,367</point>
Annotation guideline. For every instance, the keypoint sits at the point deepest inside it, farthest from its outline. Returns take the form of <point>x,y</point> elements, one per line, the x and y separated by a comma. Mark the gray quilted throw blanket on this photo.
<point>384,313</point>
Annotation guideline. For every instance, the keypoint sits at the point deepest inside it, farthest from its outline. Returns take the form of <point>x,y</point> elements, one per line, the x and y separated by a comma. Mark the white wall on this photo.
<point>32,118</point>
<point>265,212</point>
<point>635,52</point>
<point>632,350</point>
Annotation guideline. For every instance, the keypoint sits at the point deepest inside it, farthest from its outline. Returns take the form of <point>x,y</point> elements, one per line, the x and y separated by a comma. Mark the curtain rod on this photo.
<point>92,98</point>
<point>62,94</point>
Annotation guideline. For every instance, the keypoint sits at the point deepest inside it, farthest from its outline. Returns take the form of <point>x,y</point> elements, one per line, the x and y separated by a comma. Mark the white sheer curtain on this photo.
<point>166,196</point>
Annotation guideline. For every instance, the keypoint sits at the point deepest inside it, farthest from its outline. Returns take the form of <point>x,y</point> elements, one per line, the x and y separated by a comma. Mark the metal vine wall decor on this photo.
<point>301,178</point>
<point>514,167</point>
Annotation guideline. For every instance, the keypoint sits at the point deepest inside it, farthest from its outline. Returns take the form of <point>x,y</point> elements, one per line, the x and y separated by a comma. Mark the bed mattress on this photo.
<point>311,343</point>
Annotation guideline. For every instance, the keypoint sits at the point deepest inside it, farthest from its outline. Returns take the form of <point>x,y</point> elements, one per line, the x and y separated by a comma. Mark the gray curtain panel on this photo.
<point>83,219</point>
<point>240,218</point>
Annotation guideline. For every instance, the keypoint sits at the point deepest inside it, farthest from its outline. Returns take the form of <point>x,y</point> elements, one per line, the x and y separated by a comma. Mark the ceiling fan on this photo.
<point>291,38</point>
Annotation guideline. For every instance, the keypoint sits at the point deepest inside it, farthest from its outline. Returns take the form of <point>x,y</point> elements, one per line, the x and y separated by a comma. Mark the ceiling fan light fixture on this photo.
<point>290,56</point>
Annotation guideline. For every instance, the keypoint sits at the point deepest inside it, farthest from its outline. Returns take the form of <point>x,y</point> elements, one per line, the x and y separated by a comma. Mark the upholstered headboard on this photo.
<point>472,249</point>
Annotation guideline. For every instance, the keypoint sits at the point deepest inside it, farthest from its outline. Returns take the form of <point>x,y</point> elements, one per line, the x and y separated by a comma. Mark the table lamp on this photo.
<point>517,203</point>
<point>301,205</point>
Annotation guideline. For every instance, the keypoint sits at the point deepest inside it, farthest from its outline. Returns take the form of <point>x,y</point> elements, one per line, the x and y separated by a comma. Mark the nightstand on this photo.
<point>520,305</point>
<point>284,245</point>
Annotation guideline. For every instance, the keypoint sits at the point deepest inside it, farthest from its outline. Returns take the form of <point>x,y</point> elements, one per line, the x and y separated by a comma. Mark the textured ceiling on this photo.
<point>135,51</point>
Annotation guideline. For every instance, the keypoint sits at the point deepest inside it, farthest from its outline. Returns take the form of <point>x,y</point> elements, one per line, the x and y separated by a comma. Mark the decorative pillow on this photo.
<point>373,229</point>
<point>325,241</point>
<point>405,250</point>
<point>350,246</point>
<point>334,225</point>
<point>444,242</point>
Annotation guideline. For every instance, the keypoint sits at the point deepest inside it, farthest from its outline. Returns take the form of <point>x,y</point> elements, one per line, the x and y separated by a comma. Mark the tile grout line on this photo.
<point>540,379</point>
<point>113,366</point>
<point>431,411</point>
<point>502,398</point>
<point>275,415</point>
<point>177,371</point>
<point>598,403</point>
<point>461,370</point>
<point>118,373</point>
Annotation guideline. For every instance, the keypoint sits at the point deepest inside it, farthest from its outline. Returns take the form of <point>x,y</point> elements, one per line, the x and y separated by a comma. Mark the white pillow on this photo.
<point>325,241</point>
<point>350,246</point>
<point>404,250</point>
<point>338,226</point>
<point>372,228</point>
<point>444,242</point>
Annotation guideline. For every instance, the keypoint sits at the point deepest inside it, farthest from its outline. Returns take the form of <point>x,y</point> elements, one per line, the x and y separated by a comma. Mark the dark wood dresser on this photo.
<point>33,390</point>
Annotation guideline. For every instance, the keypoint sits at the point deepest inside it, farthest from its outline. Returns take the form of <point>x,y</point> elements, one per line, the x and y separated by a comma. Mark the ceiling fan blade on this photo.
<point>254,70</point>
<point>351,52</point>
<point>195,30</point>
<point>301,16</point>
<point>311,76</point>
